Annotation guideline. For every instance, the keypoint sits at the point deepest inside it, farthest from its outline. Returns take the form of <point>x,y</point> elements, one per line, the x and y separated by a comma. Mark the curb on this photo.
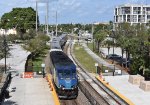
<point>55,96</point>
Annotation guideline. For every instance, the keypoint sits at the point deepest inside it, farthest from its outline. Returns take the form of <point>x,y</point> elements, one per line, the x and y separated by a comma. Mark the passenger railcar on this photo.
<point>64,75</point>
<point>63,40</point>
<point>55,44</point>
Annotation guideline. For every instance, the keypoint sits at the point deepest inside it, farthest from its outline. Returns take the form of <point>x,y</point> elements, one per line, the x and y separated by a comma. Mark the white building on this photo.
<point>8,32</point>
<point>132,13</point>
<point>87,35</point>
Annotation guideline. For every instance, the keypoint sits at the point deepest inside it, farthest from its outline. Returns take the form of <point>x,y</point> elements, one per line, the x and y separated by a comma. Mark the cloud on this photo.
<point>138,1</point>
<point>71,10</point>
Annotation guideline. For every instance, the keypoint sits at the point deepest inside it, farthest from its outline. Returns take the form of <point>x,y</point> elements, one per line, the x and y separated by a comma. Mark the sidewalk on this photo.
<point>34,91</point>
<point>100,60</point>
<point>25,91</point>
<point>17,59</point>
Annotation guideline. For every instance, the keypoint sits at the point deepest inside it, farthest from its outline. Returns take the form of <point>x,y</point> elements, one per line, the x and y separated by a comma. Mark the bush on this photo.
<point>147,74</point>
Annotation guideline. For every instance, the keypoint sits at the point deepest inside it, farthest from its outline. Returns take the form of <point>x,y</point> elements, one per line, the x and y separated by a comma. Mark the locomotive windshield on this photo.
<point>60,74</point>
<point>66,74</point>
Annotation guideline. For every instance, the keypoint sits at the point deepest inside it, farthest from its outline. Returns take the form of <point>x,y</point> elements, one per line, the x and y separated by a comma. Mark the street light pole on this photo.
<point>93,35</point>
<point>113,44</point>
<point>5,51</point>
<point>43,71</point>
<point>56,23</point>
<point>47,16</point>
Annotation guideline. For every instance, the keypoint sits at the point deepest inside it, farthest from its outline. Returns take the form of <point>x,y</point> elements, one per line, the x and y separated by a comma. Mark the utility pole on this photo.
<point>56,23</point>
<point>45,23</point>
<point>93,35</point>
<point>36,15</point>
<point>47,16</point>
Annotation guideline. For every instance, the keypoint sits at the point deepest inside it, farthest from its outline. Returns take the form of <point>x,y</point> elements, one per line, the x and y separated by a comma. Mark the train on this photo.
<point>63,71</point>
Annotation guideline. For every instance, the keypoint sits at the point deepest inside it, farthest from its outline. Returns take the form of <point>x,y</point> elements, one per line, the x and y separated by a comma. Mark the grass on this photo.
<point>84,58</point>
<point>39,60</point>
<point>90,45</point>
<point>103,67</point>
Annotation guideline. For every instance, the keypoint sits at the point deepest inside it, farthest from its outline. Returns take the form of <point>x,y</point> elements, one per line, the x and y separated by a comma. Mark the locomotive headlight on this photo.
<point>62,87</point>
<point>73,87</point>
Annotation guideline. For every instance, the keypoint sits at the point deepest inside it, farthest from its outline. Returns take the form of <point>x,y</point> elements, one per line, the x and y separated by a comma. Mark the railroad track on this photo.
<point>96,93</point>
<point>68,102</point>
<point>81,99</point>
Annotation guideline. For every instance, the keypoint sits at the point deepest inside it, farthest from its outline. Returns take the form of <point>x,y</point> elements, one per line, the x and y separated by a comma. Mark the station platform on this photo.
<point>130,91</point>
<point>29,91</point>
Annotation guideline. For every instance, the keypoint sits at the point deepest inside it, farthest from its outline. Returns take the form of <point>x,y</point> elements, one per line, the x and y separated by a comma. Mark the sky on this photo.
<point>71,11</point>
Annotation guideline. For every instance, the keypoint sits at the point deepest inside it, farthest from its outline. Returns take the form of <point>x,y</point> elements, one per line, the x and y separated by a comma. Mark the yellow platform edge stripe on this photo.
<point>115,91</point>
<point>56,99</point>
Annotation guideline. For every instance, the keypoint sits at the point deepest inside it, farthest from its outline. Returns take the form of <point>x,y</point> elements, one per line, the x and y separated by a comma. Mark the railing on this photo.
<point>5,82</point>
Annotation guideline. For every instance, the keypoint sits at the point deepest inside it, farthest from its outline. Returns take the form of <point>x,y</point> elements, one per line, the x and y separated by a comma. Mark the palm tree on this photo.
<point>108,43</point>
<point>100,36</point>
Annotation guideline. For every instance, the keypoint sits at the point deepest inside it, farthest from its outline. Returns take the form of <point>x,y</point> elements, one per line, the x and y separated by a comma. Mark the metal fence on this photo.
<point>108,70</point>
<point>5,82</point>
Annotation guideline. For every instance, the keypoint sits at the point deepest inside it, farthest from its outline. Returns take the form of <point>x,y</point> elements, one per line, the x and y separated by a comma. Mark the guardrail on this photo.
<point>5,82</point>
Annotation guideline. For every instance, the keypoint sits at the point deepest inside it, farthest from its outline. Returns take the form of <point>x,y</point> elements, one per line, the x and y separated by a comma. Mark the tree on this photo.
<point>100,36</point>
<point>29,35</point>
<point>36,46</point>
<point>43,37</point>
<point>108,43</point>
<point>22,19</point>
<point>99,27</point>
<point>12,37</point>
<point>124,35</point>
<point>134,39</point>
<point>4,47</point>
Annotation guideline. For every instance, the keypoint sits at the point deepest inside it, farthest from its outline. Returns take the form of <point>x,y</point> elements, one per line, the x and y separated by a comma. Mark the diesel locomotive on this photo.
<point>63,71</point>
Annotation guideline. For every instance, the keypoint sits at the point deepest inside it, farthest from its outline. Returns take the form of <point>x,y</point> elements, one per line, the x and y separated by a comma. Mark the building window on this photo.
<point>148,16</point>
<point>142,18</point>
<point>144,10</point>
<point>124,18</point>
<point>134,18</point>
<point>125,10</point>
<point>139,18</point>
<point>136,10</point>
<point>148,10</point>
<point>116,18</point>
<point>128,18</point>
<point>116,11</point>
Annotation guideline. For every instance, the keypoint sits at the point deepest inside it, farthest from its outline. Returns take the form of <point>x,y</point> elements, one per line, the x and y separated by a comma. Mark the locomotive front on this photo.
<point>67,83</point>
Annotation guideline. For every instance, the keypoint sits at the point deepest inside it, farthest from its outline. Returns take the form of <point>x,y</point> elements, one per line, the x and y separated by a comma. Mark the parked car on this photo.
<point>110,56</point>
<point>125,62</point>
<point>114,57</point>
